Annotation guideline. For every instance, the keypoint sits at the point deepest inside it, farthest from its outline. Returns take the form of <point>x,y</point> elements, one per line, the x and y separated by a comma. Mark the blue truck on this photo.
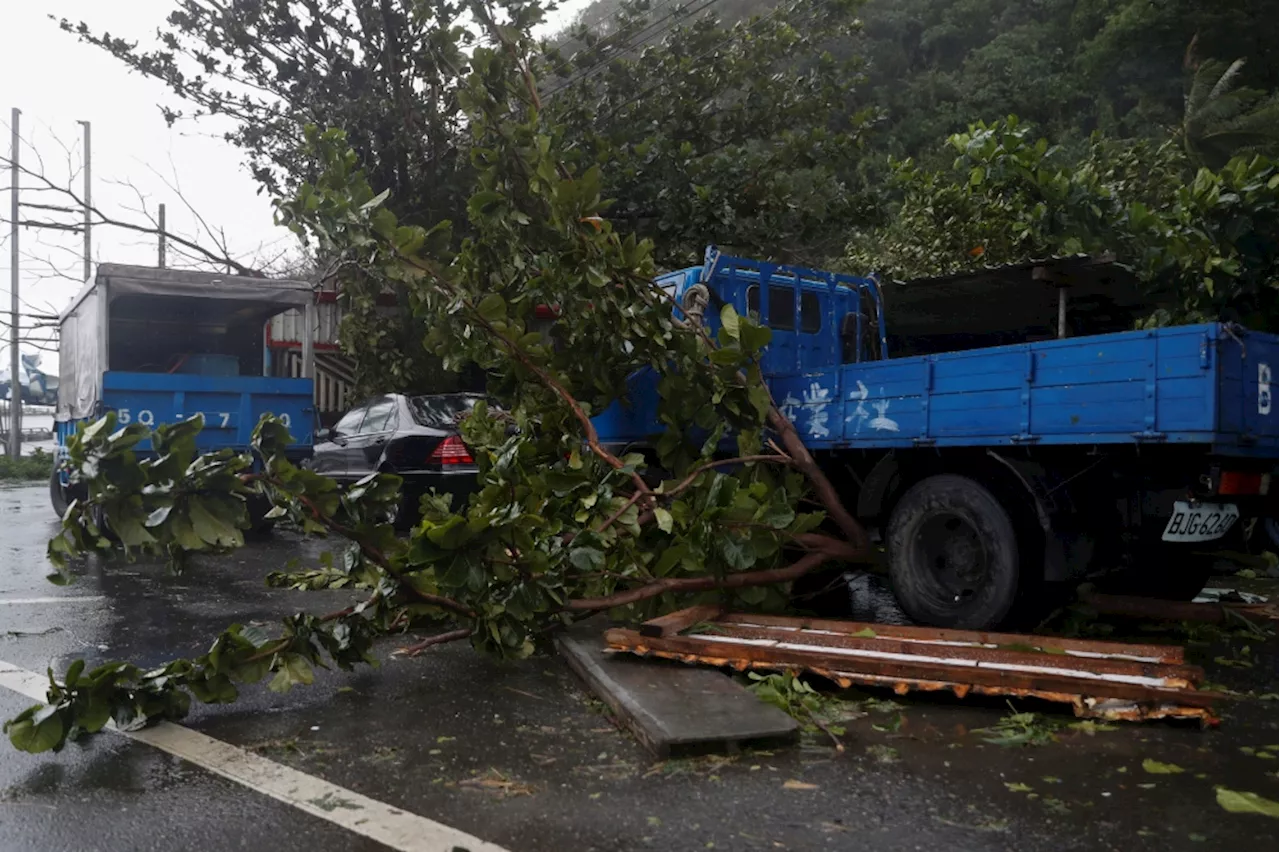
<point>988,471</point>
<point>162,345</point>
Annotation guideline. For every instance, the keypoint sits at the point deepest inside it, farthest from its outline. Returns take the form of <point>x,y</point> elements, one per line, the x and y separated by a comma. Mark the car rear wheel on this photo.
<point>953,554</point>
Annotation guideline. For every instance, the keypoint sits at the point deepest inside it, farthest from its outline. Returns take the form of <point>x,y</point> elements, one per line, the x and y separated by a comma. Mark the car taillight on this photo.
<point>1237,482</point>
<point>450,451</point>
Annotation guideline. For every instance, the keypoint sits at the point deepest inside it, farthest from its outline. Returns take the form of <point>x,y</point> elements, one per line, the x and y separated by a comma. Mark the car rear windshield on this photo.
<point>441,412</point>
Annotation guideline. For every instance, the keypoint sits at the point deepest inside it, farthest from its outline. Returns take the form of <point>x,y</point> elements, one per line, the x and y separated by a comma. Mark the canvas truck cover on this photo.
<point>84,327</point>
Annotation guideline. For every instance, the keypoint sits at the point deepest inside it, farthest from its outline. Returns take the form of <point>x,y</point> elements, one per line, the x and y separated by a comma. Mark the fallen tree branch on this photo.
<point>701,469</point>
<point>373,553</point>
<point>631,501</point>
<point>803,460</point>
<point>439,639</point>
<point>768,577</point>
<point>794,447</point>
<point>588,428</point>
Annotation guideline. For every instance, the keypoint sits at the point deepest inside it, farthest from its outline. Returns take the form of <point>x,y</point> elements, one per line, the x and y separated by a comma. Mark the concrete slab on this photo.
<point>672,709</point>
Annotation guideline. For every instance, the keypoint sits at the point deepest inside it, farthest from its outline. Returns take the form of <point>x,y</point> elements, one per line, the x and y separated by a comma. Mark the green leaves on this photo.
<point>36,729</point>
<point>560,315</point>
<point>729,324</point>
<point>293,670</point>
<point>492,307</point>
<point>1206,237</point>
<point>1155,767</point>
<point>663,518</point>
<point>211,529</point>
<point>1237,802</point>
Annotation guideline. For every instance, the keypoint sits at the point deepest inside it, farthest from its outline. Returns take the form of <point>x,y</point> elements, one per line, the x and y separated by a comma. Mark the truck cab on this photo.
<point>161,346</point>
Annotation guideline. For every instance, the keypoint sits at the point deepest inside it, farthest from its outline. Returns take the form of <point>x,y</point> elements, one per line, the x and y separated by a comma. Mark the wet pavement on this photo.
<point>517,754</point>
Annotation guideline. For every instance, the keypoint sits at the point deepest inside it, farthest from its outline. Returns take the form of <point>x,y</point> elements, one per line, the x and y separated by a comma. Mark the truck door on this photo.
<point>781,356</point>
<point>364,449</point>
<point>801,346</point>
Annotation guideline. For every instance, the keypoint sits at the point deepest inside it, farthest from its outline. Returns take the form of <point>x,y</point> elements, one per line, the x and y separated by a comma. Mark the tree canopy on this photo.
<point>1010,195</point>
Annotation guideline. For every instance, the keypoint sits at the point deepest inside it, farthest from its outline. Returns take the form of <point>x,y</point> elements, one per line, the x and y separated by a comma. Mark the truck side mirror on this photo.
<point>323,434</point>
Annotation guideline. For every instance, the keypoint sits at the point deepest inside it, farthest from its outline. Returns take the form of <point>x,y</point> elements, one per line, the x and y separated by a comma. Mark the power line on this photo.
<point>703,55</point>
<point>640,41</point>
<point>562,45</point>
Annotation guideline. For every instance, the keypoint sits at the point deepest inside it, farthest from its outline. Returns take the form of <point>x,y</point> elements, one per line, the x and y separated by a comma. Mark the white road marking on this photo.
<point>359,814</point>
<point>82,598</point>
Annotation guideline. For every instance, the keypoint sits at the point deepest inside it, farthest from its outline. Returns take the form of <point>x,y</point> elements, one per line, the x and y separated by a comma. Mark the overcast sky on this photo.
<point>56,82</point>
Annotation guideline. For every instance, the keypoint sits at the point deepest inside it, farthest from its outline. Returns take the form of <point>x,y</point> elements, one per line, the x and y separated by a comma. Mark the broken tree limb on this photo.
<point>797,569</point>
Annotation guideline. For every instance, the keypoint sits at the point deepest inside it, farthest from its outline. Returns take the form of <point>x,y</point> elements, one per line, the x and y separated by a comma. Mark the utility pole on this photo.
<point>161,223</point>
<point>88,203</point>
<point>15,386</point>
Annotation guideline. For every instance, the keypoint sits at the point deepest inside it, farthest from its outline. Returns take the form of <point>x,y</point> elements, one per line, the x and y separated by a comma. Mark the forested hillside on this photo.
<point>1070,67</point>
<point>921,137</point>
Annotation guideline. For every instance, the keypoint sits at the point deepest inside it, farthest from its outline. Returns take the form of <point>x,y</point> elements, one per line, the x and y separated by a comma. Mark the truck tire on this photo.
<point>260,526</point>
<point>953,554</point>
<point>58,494</point>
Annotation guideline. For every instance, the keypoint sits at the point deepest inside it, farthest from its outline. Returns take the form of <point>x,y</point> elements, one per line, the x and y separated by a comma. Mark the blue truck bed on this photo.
<point>1204,384</point>
<point>231,405</point>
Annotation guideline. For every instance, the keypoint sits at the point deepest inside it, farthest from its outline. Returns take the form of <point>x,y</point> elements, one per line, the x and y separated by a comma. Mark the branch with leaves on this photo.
<point>561,524</point>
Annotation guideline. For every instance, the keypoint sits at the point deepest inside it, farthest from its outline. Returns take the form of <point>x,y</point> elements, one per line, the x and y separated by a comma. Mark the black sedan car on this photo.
<point>415,437</point>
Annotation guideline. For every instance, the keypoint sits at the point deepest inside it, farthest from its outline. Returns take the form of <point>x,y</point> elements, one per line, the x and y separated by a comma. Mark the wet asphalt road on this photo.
<point>518,755</point>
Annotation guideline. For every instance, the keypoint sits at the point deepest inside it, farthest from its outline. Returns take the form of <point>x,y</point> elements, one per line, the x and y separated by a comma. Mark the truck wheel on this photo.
<point>58,494</point>
<point>260,526</point>
<point>953,554</point>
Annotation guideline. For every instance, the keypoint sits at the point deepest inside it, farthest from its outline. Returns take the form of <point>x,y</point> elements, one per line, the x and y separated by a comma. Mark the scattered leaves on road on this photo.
<point>1056,806</point>
<point>882,753</point>
<point>1018,787</point>
<point>1020,729</point>
<point>892,726</point>
<point>1237,802</point>
<point>1155,767</point>
<point>793,784</point>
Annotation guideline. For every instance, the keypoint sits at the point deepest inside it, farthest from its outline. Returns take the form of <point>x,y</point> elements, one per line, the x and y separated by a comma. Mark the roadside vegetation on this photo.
<point>36,467</point>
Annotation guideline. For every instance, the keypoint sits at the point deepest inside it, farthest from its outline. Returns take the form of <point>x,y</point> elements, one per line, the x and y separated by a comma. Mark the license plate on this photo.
<point>1201,522</point>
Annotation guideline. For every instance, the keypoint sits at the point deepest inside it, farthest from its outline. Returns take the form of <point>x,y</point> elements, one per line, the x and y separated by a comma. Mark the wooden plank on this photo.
<point>1161,653</point>
<point>728,653</point>
<point>673,623</point>
<point>1190,675</point>
<point>672,709</point>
